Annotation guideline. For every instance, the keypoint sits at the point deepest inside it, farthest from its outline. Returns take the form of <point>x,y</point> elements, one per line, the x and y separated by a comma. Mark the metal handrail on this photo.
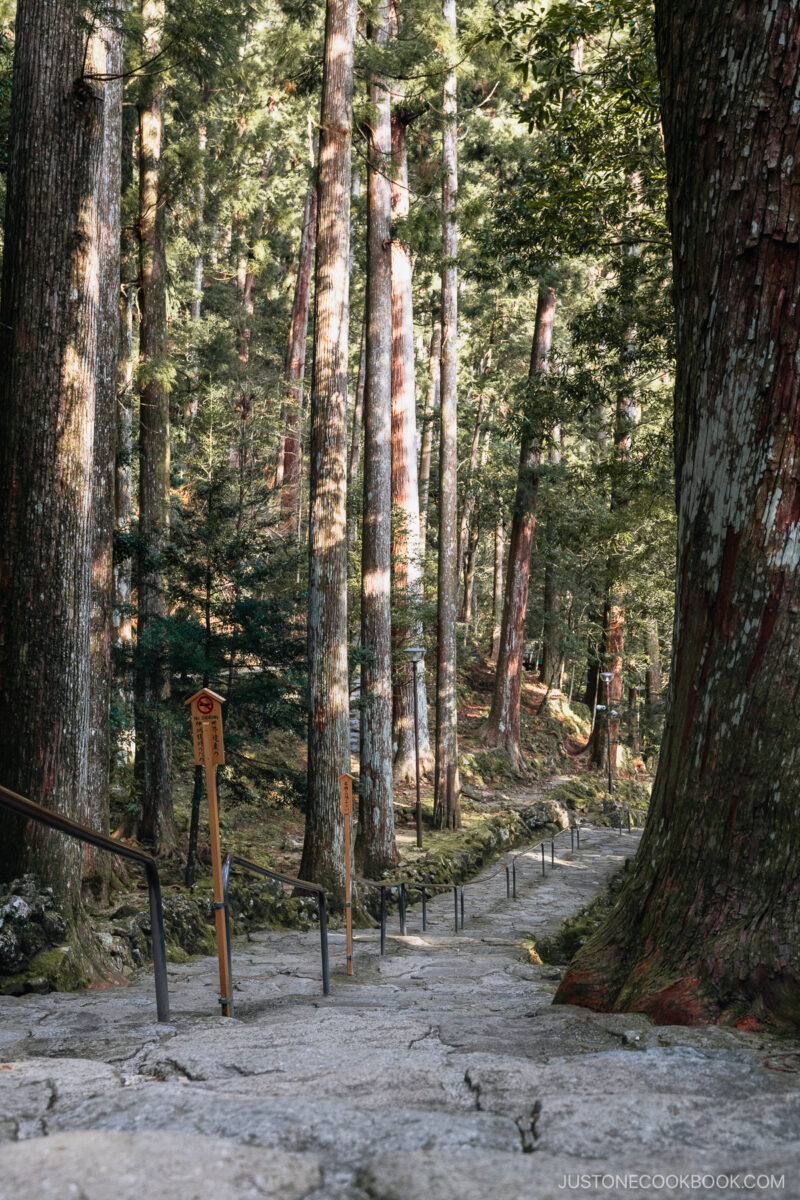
<point>303,885</point>
<point>32,811</point>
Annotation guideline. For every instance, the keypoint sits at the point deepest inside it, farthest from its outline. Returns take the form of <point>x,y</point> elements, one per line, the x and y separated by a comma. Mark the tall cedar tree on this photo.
<point>447,785</point>
<point>105,58</point>
<point>705,928</point>
<point>407,556</point>
<point>48,350</point>
<point>375,844</point>
<point>504,717</point>
<point>329,698</point>
<point>152,764</point>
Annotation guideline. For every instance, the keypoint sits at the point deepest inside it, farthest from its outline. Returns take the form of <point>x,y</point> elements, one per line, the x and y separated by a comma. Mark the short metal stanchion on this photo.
<point>628,811</point>
<point>508,884</point>
<point>514,878</point>
<point>401,900</point>
<point>424,909</point>
<point>552,852</point>
<point>462,907</point>
<point>543,868</point>
<point>455,905</point>
<point>572,837</point>
<point>578,835</point>
<point>383,920</point>
<point>323,937</point>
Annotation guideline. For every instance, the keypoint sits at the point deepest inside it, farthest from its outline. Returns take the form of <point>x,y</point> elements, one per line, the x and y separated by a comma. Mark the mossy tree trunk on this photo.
<point>706,927</point>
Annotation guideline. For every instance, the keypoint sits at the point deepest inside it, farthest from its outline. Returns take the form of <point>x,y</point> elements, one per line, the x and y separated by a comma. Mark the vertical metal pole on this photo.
<point>578,835</point>
<point>628,811</point>
<point>462,906</point>
<point>552,852</point>
<point>572,837</point>
<point>216,868</point>
<point>508,883</point>
<point>455,903</point>
<point>323,938</point>
<point>226,871</point>
<point>424,909</point>
<point>514,877</point>
<point>159,948</point>
<point>348,893</point>
<point>543,858</point>
<point>416,753</point>
<point>383,921</point>
<point>401,900</point>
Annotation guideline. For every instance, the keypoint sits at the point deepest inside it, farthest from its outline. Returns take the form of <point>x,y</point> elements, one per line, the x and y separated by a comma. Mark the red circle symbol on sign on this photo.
<point>205,705</point>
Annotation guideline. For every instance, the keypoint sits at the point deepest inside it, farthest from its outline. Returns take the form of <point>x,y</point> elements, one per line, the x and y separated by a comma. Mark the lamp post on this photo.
<point>606,677</point>
<point>415,655</point>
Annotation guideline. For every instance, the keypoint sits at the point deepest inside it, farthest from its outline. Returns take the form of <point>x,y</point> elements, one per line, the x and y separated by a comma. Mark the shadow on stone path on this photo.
<point>440,1072</point>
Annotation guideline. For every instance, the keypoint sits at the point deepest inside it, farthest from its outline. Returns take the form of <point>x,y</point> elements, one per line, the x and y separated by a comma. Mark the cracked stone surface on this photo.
<point>440,1071</point>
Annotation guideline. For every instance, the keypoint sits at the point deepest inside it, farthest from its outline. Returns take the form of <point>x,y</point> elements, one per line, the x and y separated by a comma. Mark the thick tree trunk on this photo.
<point>504,717</point>
<point>375,848</point>
<point>105,58</point>
<point>407,556</point>
<point>468,506</point>
<point>329,698</point>
<point>497,590</point>
<point>432,403</point>
<point>152,765</point>
<point>447,788</point>
<point>358,414</point>
<point>295,371</point>
<point>551,645</point>
<point>48,350</point>
<point>704,931</point>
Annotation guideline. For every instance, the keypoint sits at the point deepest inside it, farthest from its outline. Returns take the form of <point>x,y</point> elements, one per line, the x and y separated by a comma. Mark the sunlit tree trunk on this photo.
<point>551,649</point>
<point>407,557</point>
<point>497,590</point>
<point>705,928</point>
<point>295,370</point>
<point>504,717</point>
<point>375,842</point>
<point>447,801</point>
<point>329,699</point>
<point>104,58</point>
<point>431,405</point>
<point>48,351</point>
<point>152,764</point>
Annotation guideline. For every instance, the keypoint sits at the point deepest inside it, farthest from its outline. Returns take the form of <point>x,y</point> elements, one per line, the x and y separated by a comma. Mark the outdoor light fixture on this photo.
<point>415,655</point>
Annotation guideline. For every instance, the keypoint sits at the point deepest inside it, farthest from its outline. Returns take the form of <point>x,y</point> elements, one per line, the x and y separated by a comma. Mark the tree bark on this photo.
<point>447,787</point>
<point>295,371</point>
<point>431,404</point>
<point>705,928</point>
<point>503,727</point>
<point>48,348</point>
<point>407,554</point>
<point>652,676</point>
<point>375,848</point>
<point>152,764</point>
<point>497,591</point>
<point>104,58</point>
<point>328,714</point>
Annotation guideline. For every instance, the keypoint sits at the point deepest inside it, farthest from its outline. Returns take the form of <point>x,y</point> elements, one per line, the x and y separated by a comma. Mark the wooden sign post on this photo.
<point>209,750</point>
<point>346,800</point>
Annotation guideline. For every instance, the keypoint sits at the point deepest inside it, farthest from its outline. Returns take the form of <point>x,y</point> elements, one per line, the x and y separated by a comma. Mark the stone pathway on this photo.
<point>440,1072</point>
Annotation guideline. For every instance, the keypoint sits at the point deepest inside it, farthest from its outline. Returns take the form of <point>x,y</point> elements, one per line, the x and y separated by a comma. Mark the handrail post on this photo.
<point>401,900</point>
<point>226,871</point>
<point>383,920</point>
<point>508,883</point>
<point>552,852</point>
<point>572,838</point>
<point>578,835</point>
<point>424,909</point>
<point>159,947</point>
<point>323,938</point>
<point>543,870</point>
<point>462,906</point>
<point>628,811</point>
<point>514,877</point>
<point>455,903</point>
